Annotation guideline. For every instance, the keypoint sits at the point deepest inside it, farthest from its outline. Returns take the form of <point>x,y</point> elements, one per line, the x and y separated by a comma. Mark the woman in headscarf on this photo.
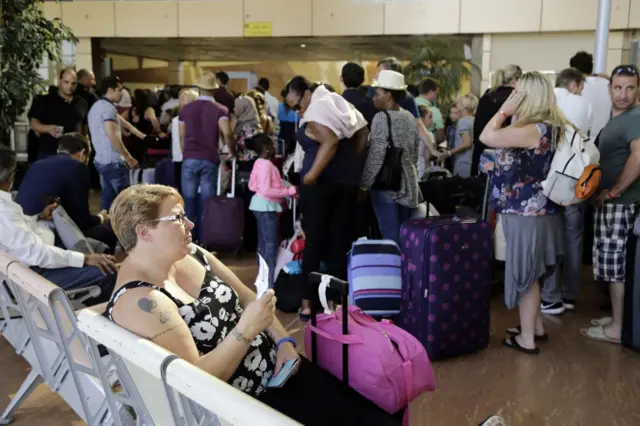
<point>261,106</point>
<point>247,126</point>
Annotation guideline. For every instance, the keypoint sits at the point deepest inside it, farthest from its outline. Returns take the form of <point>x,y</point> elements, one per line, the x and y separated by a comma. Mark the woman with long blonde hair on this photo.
<point>532,224</point>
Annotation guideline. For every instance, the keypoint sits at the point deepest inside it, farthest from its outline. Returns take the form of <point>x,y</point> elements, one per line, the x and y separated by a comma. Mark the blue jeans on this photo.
<point>268,240</point>
<point>390,215</point>
<point>202,174</point>
<point>114,178</point>
<point>77,278</point>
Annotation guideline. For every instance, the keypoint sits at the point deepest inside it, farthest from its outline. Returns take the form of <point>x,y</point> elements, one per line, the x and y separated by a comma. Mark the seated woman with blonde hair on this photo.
<point>184,299</point>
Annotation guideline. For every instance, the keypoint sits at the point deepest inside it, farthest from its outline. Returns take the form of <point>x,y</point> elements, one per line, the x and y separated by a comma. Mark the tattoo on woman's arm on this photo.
<point>163,332</point>
<point>147,305</point>
<point>239,336</point>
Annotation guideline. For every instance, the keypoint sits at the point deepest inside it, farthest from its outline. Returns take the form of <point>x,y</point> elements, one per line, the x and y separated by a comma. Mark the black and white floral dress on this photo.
<point>210,318</point>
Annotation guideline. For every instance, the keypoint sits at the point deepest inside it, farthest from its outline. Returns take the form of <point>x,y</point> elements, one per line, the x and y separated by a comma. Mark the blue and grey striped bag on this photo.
<point>375,278</point>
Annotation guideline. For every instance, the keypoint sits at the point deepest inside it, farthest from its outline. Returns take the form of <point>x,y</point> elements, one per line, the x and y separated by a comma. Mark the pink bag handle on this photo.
<point>345,339</point>
<point>408,377</point>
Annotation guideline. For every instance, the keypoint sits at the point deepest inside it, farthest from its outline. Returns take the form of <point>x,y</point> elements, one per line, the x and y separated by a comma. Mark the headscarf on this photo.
<point>246,114</point>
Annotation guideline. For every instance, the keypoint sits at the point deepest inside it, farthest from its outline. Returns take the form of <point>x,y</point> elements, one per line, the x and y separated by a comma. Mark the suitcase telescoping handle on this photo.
<point>325,282</point>
<point>233,177</point>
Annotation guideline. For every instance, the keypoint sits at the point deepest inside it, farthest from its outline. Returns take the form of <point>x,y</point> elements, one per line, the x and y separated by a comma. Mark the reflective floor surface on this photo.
<point>573,382</point>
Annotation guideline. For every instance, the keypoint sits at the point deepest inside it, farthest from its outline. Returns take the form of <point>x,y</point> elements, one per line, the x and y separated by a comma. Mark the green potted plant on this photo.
<point>443,59</point>
<point>26,38</point>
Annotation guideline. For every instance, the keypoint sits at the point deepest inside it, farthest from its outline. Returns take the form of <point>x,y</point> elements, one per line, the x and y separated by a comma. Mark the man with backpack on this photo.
<point>561,289</point>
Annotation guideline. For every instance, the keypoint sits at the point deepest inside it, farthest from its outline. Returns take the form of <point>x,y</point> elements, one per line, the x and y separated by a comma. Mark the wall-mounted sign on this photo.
<point>258,29</point>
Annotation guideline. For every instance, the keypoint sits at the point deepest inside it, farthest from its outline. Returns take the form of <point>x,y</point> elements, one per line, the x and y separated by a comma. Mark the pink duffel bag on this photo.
<point>385,364</point>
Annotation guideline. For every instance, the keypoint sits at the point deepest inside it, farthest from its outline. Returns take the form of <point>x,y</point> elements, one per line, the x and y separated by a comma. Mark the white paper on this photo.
<point>262,280</point>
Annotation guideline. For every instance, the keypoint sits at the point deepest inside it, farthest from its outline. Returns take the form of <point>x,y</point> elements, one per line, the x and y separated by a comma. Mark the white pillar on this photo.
<point>602,36</point>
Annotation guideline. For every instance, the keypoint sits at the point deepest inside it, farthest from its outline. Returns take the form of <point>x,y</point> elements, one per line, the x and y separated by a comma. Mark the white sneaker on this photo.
<point>494,421</point>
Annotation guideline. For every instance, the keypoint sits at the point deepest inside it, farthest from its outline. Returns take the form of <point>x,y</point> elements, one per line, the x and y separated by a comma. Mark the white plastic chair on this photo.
<point>56,351</point>
<point>143,361</point>
<point>199,399</point>
<point>12,325</point>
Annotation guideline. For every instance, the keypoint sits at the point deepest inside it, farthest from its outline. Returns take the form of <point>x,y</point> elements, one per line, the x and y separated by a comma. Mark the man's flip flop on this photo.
<point>604,321</point>
<point>515,331</point>
<point>597,333</point>
<point>493,421</point>
<point>512,343</point>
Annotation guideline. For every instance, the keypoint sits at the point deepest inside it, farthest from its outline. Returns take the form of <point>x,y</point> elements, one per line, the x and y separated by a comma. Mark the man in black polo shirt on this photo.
<point>86,90</point>
<point>58,113</point>
<point>86,87</point>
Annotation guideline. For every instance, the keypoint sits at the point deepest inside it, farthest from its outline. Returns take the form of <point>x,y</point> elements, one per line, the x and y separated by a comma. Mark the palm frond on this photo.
<point>442,59</point>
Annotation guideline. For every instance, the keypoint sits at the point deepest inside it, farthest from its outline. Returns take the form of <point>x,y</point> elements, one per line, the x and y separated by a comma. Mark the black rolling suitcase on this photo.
<point>631,318</point>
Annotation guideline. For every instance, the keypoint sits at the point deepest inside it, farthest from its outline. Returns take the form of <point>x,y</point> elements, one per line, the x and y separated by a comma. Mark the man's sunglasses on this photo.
<point>629,70</point>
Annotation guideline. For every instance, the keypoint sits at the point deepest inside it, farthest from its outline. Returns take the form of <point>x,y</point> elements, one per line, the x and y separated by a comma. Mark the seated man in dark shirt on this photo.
<point>58,113</point>
<point>66,176</point>
<point>352,77</point>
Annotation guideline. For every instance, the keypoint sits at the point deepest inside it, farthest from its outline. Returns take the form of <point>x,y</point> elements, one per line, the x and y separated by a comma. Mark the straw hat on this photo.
<point>390,80</point>
<point>207,81</point>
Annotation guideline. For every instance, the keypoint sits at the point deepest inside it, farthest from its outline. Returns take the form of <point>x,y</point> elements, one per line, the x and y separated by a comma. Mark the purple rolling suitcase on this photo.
<point>164,173</point>
<point>446,278</point>
<point>223,224</point>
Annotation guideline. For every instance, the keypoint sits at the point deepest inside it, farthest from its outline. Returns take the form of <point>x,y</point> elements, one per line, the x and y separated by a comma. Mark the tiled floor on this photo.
<point>574,382</point>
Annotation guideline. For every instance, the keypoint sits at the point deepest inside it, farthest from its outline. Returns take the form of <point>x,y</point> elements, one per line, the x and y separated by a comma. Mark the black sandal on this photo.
<point>512,343</point>
<point>515,331</point>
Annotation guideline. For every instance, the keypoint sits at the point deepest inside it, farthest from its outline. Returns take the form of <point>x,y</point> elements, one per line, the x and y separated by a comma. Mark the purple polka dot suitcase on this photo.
<point>446,284</point>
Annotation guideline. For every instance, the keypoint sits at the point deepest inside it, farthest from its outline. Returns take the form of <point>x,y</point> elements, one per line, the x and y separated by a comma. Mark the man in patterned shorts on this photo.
<point>620,192</point>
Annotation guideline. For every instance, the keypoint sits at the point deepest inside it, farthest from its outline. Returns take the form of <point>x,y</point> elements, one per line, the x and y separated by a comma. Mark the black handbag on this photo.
<point>389,177</point>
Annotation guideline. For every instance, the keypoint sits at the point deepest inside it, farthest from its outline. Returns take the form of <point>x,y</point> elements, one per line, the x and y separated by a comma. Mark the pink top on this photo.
<point>266,182</point>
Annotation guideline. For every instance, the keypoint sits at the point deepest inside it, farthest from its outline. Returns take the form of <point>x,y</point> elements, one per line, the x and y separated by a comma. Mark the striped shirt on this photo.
<point>404,130</point>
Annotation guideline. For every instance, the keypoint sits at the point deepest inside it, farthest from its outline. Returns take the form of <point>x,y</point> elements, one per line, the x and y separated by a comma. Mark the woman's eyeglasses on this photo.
<point>181,217</point>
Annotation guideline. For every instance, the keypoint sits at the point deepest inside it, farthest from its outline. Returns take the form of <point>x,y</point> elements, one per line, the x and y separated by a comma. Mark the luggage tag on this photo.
<point>325,282</point>
<point>262,280</point>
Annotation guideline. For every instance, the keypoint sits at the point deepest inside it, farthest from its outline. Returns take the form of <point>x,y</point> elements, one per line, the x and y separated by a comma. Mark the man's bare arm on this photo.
<point>131,128</point>
<point>116,141</point>
<point>225,128</point>
<point>40,128</point>
<point>630,172</point>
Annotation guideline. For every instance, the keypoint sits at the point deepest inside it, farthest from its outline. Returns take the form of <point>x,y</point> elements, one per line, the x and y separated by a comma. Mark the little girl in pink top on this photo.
<point>269,190</point>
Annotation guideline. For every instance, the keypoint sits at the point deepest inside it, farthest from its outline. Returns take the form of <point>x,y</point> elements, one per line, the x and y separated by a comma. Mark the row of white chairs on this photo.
<point>106,374</point>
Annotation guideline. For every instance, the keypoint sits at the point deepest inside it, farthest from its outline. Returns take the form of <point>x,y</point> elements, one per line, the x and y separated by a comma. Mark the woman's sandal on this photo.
<point>303,317</point>
<point>515,331</point>
<point>512,343</point>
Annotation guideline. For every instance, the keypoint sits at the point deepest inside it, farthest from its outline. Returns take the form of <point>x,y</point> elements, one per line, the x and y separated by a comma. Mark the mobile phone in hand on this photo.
<point>283,375</point>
